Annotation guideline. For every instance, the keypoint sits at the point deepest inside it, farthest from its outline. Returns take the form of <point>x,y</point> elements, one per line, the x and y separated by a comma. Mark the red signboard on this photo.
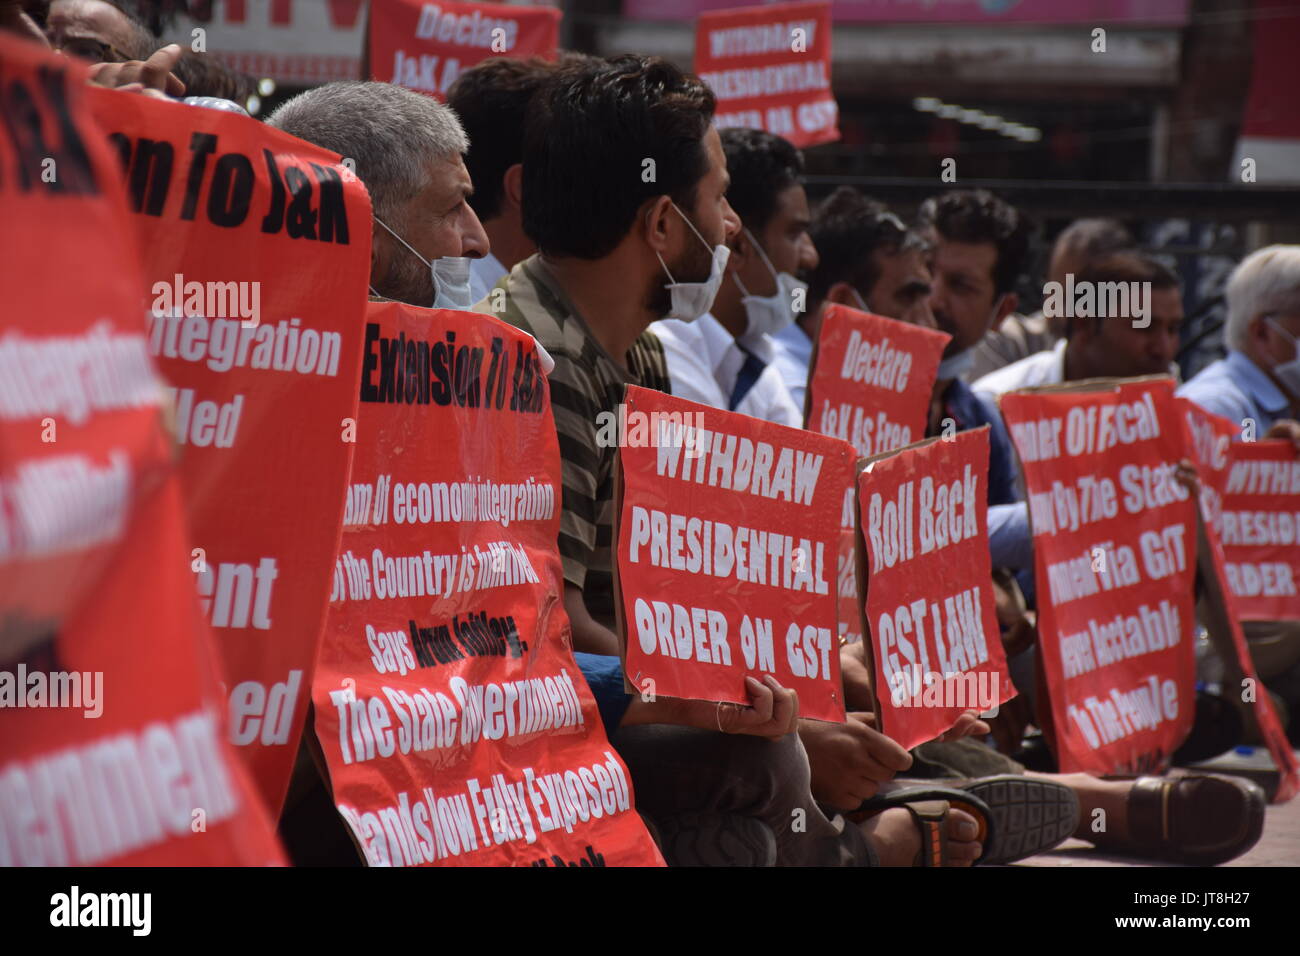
<point>110,718</point>
<point>1210,440</point>
<point>870,385</point>
<point>1260,529</point>
<point>456,725</point>
<point>726,553</point>
<point>1105,13</point>
<point>934,628</point>
<point>770,68</point>
<point>425,46</point>
<point>257,253</point>
<point>1114,560</point>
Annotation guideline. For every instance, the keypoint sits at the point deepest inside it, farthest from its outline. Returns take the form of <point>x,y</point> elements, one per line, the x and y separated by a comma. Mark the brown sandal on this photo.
<point>929,808</point>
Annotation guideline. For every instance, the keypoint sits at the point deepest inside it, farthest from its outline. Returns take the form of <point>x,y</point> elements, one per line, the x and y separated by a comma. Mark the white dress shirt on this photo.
<point>704,361</point>
<point>794,361</point>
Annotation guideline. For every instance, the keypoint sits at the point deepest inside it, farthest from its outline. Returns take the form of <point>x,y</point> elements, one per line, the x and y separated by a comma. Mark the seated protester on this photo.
<point>616,252</point>
<point>725,357</point>
<point>1141,339</point>
<point>408,151</point>
<point>860,245</point>
<point>1257,386</point>
<point>491,99</point>
<point>1019,336</point>
<point>977,247</point>
<point>1259,380</point>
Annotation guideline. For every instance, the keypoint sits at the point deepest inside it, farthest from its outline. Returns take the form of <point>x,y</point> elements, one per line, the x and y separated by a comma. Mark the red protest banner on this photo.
<point>871,379</point>
<point>425,46</point>
<point>870,386</point>
<point>1114,562</point>
<point>934,629</point>
<point>770,68</point>
<point>1210,438</point>
<point>110,715</point>
<point>256,262</point>
<point>1260,530</point>
<point>455,723</point>
<point>726,549</point>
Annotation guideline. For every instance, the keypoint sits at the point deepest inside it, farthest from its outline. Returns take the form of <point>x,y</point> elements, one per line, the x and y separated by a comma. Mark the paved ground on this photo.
<point>1280,846</point>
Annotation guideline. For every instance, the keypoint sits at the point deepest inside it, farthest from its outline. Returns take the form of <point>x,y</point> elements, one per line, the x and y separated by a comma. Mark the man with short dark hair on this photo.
<point>726,358</point>
<point>868,260</point>
<point>978,245</point>
<point>491,98</point>
<point>1019,336</point>
<point>1141,339</point>
<point>617,249</point>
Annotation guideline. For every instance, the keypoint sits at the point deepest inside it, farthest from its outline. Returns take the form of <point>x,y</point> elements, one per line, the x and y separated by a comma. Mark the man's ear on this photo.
<point>656,215</point>
<point>1006,305</point>
<point>742,251</point>
<point>841,293</point>
<point>512,186</point>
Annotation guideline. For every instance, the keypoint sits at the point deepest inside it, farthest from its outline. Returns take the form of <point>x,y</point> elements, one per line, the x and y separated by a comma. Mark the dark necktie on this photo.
<point>745,379</point>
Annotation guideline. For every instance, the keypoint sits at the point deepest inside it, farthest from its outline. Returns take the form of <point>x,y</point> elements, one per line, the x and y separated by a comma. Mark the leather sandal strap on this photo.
<point>931,819</point>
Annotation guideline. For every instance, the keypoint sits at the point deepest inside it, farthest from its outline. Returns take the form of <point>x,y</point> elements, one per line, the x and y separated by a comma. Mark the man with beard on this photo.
<point>1141,340</point>
<point>625,193</point>
<point>408,149</point>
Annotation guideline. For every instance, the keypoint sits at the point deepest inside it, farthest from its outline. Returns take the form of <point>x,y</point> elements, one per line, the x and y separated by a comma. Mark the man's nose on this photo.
<point>808,257</point>
<point>474,242</point>
<point>730,221</point>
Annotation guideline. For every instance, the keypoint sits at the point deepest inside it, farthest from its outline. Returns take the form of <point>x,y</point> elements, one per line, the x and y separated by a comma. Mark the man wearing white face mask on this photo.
<point>726,357</point>
<point>1259,380</point>
<point>408,150</point>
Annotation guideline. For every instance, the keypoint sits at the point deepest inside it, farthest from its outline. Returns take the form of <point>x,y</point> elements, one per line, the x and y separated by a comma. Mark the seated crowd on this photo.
<point>710,280</point>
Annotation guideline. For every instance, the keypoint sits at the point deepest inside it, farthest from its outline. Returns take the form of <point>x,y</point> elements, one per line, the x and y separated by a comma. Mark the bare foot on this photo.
<point>897,841</point>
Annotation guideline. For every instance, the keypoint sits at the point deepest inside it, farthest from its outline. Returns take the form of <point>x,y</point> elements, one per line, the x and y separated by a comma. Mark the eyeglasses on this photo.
<point>89,49</point>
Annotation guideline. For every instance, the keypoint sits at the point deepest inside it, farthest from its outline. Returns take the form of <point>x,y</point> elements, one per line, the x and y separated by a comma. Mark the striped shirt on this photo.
<point>586,381</point>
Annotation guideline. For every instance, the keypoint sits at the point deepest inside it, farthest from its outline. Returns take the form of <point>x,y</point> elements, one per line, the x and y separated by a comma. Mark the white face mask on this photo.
<point>450,274</point>
<point>768,315</point>
<point>1288,373</point>
<point>690,300</point>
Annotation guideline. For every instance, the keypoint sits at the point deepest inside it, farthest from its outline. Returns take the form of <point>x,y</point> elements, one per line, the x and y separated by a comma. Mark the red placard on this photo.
<point>770,69</point>
<point>1210,438</point>
<point>871,379</point>
<point>934,628</point>
<point>257,253</point>
<point>1260,530</point>
<point>870,385</point>
<point>113,750</point>
<point>1114,562</point>
<point>726,553</point>
<point>425,46</point>
<point>455,723</point>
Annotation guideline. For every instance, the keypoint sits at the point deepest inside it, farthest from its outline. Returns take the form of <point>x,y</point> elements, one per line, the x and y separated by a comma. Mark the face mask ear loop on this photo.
<point>671,280</point>
<point>763,255</point>
<point>404,242</point>
<point>373,292</point>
